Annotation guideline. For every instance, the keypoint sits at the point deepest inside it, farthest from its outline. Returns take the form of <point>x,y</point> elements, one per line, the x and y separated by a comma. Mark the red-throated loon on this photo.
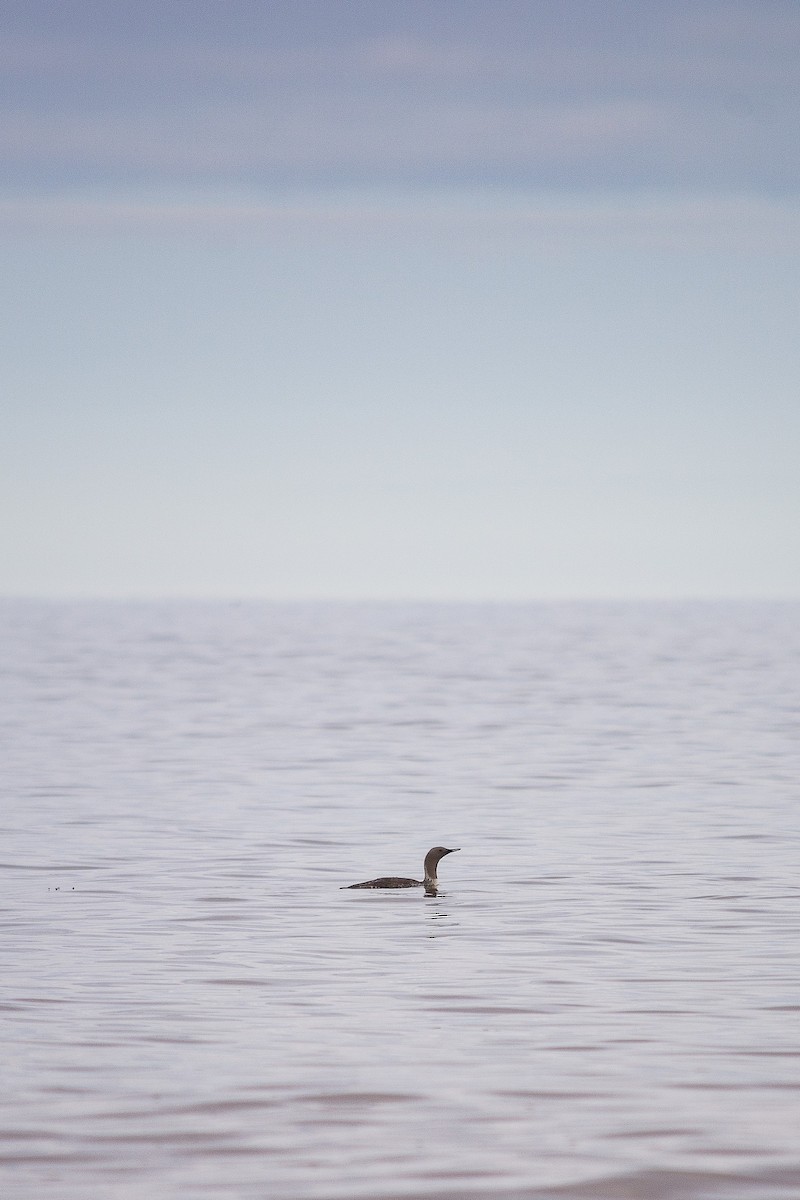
<point>430,882</point>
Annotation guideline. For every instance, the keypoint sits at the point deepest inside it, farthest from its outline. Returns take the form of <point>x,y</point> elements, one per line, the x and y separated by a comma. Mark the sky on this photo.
<point>400,299</point>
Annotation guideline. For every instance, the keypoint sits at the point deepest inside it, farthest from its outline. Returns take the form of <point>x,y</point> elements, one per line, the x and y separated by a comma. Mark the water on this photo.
<point>602,1002</point>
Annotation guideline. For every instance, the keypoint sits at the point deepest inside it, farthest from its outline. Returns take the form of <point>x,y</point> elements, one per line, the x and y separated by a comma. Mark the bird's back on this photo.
<point>387,881</point>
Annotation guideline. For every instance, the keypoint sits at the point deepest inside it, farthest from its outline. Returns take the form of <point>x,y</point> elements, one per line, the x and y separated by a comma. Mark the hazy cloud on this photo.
<point>569,95</point>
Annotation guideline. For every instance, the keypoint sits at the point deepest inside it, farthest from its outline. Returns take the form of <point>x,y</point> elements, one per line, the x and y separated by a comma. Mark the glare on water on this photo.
<point>603,1000</point>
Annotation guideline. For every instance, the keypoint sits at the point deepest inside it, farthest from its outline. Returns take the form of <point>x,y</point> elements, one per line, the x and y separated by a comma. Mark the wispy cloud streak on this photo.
<point>681,221</point>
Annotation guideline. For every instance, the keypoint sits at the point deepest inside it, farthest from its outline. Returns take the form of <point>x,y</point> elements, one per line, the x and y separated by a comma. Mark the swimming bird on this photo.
<point>430,882</point>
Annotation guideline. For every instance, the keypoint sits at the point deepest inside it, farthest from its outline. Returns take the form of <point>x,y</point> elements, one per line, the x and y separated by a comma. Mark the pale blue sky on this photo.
<point>454,300</point>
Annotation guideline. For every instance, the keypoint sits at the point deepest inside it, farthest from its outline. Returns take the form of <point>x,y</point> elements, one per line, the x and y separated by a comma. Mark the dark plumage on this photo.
<point>430,882</point>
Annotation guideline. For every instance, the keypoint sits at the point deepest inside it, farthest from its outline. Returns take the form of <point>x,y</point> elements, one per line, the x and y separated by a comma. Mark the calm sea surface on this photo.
<point>603,1001</point>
